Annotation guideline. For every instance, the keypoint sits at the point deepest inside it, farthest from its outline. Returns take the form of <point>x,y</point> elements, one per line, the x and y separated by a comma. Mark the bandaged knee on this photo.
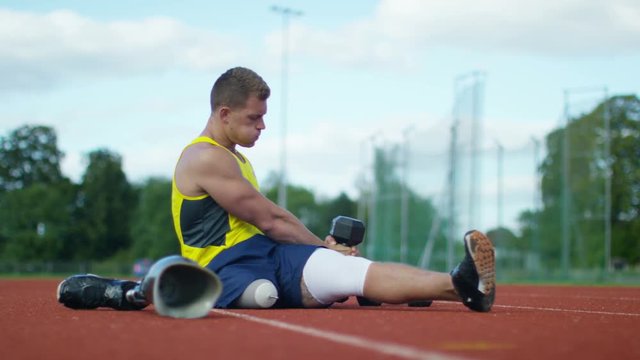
<point>331,276</point>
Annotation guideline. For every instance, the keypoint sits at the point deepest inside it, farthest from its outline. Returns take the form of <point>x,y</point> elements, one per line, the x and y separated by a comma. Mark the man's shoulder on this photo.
<point>206,156</point>
<point>204,151</point>
<point>200,163</point>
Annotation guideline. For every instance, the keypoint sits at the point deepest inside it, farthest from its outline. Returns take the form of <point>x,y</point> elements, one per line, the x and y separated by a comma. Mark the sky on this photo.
<point>134,76</point>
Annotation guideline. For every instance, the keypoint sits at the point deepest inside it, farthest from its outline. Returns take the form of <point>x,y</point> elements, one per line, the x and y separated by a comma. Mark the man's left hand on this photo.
<point>332,244</point>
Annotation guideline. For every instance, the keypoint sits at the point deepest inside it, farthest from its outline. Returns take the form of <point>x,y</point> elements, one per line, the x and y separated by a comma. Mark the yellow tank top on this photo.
<point>203,227</point>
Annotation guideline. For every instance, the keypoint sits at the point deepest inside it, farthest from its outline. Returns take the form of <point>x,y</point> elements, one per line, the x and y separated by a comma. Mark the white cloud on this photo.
<point>38,50</point>
<point>573,27</point>
<point>400,30</point>
<point>41,50</point>
<point>328,161</point>
<point>511,133</point>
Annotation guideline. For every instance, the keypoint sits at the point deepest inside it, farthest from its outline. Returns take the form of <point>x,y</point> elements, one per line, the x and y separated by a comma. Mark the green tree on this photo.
<point>300,201</point>
<point>29,155</point>
<point>37,220</point>
<point>105,206</point>
<point>315,214</point>
<point>509,248</point>
<point>624,112</point>
<point>587,166</point>
<point>332,207</point>
<point>152,227</point>
<point>385,217</point>
<point>383,221</point>
<point>36,201</point>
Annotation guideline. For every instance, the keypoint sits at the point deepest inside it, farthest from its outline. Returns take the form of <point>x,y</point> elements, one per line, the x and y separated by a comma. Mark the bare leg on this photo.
<point>397,283</point>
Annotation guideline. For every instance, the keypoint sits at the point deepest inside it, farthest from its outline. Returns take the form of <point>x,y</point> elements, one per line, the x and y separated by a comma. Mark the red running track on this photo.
<point>527,322</point>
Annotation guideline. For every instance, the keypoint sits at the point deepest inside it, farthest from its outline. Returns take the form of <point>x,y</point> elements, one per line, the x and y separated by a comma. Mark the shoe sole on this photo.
<point>483,255</point>
<point>58,290</point>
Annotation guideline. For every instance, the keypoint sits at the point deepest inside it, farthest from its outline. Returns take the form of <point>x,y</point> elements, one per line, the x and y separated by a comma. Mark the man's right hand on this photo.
<point>332,244</point>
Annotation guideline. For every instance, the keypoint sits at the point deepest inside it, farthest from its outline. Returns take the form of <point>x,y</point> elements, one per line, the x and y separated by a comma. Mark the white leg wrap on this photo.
<point>331,276</point>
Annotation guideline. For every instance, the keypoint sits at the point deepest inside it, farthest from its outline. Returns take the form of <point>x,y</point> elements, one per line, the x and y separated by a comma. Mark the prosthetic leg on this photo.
<point>176,286</point>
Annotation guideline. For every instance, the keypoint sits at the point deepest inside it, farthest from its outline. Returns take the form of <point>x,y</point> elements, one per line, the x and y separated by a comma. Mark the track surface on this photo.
<point>527,322</point>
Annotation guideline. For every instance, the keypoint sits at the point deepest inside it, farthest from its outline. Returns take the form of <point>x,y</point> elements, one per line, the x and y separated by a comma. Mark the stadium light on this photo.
<point>286,14</point>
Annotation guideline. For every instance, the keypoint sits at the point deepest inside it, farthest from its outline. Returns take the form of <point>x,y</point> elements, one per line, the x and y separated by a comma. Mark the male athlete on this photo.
<point>225,224</point>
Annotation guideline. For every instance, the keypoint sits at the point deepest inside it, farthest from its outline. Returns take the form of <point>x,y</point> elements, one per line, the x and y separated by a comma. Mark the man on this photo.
<point>225,224</point>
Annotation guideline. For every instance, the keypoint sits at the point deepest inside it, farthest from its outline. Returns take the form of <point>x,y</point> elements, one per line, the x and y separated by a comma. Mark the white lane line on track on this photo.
<point>387,348</point>
<point>594,312</point>
<point>571,296</point>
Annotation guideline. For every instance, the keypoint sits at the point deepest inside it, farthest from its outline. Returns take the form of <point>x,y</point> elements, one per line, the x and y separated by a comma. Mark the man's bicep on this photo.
<point>240,199</point>
<point>236,195</point>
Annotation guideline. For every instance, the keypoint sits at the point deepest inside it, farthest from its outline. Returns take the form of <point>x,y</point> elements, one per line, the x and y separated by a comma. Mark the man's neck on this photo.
<point>214,132</point>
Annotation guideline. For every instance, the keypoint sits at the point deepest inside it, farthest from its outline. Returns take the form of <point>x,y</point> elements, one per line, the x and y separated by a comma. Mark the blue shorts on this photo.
<point>261,258</point>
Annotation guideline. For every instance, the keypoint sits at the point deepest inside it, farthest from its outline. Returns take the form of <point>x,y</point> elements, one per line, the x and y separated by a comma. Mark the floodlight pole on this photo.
<point>500,185</point>
<point>607,183</point>
<point>566,191</point>
<point>286,13</point>
<point>537,206</point>
<point>404,195</point>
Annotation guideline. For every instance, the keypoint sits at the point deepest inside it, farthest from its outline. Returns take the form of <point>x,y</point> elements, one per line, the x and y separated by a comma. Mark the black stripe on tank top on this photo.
<point>203,223</point>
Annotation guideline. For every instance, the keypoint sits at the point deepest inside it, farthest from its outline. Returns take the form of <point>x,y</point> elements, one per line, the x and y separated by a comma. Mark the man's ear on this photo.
<point>223,113</point>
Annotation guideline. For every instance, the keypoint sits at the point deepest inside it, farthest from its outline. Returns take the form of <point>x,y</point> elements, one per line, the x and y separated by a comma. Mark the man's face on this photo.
<point>246,123</point>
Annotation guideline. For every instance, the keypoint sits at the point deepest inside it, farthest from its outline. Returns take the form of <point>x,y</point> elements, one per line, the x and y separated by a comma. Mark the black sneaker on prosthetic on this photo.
<point>475,277</point>
<point>92,291</point>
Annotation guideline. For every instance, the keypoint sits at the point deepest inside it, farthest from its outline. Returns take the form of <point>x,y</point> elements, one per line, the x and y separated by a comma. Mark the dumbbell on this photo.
<point>350,232</point>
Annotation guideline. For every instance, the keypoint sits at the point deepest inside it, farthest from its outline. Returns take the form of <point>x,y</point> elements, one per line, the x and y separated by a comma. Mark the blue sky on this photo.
<point>135,76</point>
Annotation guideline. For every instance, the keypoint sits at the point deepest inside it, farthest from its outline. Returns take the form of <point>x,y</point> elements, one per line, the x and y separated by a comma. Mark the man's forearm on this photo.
<point>286,228</point>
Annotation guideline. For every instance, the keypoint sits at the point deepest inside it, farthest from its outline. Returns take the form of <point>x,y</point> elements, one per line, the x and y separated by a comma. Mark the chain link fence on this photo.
<point>545,203</point>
